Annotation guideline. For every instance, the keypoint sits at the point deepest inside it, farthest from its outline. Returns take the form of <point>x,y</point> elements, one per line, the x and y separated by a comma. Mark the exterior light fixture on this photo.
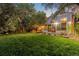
<point>69,22</point>
<point>56,23</point>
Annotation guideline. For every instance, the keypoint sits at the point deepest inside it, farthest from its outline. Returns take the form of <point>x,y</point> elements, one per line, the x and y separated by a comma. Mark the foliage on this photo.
<point>24,13</point>
<point>19,17</point>
<point>76,24</point>
<point>60,7</point>
<point>40,17</point>
<point>77,28</point>
<point>36,18</point>
<point>6,12</point>
<point>76,15</point>
<point>28,16</point>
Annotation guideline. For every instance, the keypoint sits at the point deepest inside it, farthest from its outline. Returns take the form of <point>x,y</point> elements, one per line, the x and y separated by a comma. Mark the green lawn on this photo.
<point>35,44</point>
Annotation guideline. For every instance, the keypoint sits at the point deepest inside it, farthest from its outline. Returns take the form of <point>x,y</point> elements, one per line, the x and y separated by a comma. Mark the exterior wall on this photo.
<point>66,18</point>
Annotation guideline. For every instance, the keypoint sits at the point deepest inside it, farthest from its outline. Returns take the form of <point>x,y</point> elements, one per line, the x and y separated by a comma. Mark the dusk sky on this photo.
<point>39,7</point>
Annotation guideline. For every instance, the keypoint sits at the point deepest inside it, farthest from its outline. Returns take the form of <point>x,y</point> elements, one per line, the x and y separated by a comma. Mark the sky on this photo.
<point>39,7</point>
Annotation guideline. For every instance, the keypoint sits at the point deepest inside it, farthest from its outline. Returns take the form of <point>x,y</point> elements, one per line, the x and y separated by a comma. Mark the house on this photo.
<point>64,21</point>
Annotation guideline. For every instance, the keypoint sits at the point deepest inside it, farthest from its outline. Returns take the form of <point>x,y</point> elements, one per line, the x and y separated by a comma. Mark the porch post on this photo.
<point>72,24</point>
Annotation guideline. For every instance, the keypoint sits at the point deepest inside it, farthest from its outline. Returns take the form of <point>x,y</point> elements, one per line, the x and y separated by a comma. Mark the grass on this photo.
<point>37,45</point>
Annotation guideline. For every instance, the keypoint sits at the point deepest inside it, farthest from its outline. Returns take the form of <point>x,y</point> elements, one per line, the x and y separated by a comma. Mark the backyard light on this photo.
<point>63,20</point>
<point>69,22</point>
<point>56,23</point>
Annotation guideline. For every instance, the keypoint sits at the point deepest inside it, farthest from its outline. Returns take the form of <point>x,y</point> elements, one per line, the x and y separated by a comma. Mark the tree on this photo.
<point>40,17</point>
<point>60,7</point>
<point>24,12</point>
<point>19,17</point>
<point>6,12</point>
<point>36,18</point>
<point>28,17</point>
